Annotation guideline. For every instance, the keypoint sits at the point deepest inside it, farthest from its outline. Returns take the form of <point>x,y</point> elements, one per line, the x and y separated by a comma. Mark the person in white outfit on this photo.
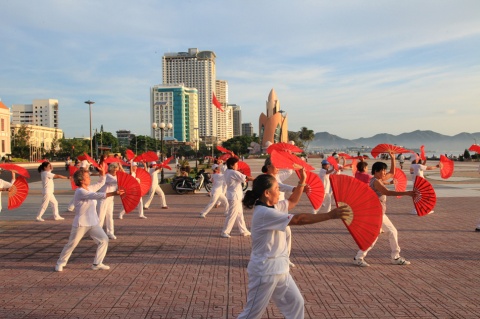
<point>133,170</point>
<point>86,219</point>
<point>416,169</point>
<point>217,192</point>
<point>324,173</point>
<point>155,188</point>
<point>5,186</point>
<point>377,183</point>
<point>105,206</point>
<point>45,170</point>
<point>234,180</point>
<point>71,204</point>
<point>268,270</point>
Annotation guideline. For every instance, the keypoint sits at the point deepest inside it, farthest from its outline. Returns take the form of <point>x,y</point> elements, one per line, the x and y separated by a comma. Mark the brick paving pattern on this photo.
<point>175,265</point>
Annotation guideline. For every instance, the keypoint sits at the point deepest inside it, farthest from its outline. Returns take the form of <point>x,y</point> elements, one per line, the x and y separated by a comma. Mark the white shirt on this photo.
<point>110,184</point>
<point>280,177</point>
<point>154,173</point>
<point>47,182</point>
<point>418,170</point>
<point>325,179</point>
<point>234,180</point>
<point>85,202</point>
<point>269,241</point>
<point>218,182</point>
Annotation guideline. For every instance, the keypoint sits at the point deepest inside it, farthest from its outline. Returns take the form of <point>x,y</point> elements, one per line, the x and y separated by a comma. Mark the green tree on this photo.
<point>20,142</point>
<point>105,139</point>
<point>306,136</point>
<point>240,144</point>
<point>294,136</point>
<point>73,147</point>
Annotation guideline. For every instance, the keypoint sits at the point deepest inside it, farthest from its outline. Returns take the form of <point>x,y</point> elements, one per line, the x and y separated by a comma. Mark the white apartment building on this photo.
<point>225,118</point>
<point>196,69</point>
<point>41,139</point>
<point>43,112</point>
<point>4,130</point>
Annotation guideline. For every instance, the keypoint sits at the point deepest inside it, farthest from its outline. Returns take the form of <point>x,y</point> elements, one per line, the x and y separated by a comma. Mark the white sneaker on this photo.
<point>292,265</point>
<point>400,261</point>
<point>58,267</point>
<point>40,219</point>
<point>59,218</point>
<point>112,236</point>
<point>225,235</point>
<point>246,234</point>
<point>203,215</point>
<point>360,263</point>
<point>143,216</point>
<point>413,212</point>
<point>100,267</point>
<point>217,205</point>
<point>431,212</point>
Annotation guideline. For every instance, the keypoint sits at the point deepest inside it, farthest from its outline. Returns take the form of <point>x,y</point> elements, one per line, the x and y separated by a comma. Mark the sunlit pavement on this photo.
<point>175,264</point>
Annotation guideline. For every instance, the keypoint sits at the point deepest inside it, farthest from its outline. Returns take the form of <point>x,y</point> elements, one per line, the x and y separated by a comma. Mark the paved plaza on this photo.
<point>175,264</point>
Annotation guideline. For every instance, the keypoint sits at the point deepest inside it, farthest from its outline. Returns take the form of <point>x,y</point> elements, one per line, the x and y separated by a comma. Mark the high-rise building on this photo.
<point>178,105</point>
<point>195,69</point>
<point>5,136</point>
<point>247,129</point>
<point>237,119</point>
<point>124,137</point>
<point>43,112</point>
<point>225,118</point>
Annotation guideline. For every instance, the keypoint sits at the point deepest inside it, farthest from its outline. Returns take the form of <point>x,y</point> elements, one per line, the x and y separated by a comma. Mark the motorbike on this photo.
<point>183,185</point>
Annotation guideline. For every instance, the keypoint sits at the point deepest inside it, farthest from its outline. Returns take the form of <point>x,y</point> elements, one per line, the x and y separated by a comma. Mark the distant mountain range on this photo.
<point>434,142</point>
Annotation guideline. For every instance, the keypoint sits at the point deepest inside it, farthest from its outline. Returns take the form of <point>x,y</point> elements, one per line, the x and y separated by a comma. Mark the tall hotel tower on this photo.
<point>195,69</point>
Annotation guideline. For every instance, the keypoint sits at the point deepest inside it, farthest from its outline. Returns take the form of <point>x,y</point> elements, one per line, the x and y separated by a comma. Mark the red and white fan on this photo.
<point>164,164</point>
<point>90,160</point>
<point>317,191</point>
<point>425,198</point>
<point>399,181</point>
<point>423,157</point>
<point>365,211</point>
<point>129,154</point>
<point>333,162</point>
<point>72,170</point>
<point>244,168</point>
<point>17,193</point>
<point>15,169</point>
<point>284,147</point>
<point>133,193</point>
<point>145,180</point>
<point>446,167</point>
<point>475,148</point>
<point>286,160</point>
<point>387,148</point>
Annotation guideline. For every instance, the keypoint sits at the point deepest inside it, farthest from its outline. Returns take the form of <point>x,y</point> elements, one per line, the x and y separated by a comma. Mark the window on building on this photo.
<point>3,125</point>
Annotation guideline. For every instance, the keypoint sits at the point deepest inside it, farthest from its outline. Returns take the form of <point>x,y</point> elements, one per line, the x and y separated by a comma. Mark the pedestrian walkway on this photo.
<point>175,264</point>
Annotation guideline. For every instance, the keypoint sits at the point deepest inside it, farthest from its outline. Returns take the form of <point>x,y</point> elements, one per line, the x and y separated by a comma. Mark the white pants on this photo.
<point>288,232</point>
<point>77,233</point>
<point>392,234</point>
<point>155,190</point>
<point>217,196</point>
<point>327,203</point>
<point>139,208</point>
<point>281,288</point>
<point>235,216</point>
<point>71,205</point>
<point>105,214</point>
<point>48,198</point>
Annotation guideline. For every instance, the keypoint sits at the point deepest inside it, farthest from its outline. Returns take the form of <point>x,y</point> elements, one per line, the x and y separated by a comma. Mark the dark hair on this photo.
<point>264,169</point>
<point>42,166</point>
<point>378,166</point>
<point>231,161</point>
<point>260,184</point>
<point>361,166</point>
<point>79,176</point>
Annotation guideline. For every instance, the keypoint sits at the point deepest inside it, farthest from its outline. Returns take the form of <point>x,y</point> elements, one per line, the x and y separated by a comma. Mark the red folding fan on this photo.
<point>81,158</point>
<point>446,167</point>
<point>112,159</point>
<point>225,157</point>
<point>475,148</point>
<point>129,154</point>
<point>354,166</point>
<point>164,164</point>
<point>150,156</point>
<point>17,193</point>
<point>344,155</point>
<point>365,211</point>
<point>72,170</point>
<point>15,169</point>
<point>244,168</point>
<point>422,153</point>
<point>133,193</point>
<point>333,162</point>
<point>387,148</point>
<point>317,191</point>
<point>145,180</point>
<point>288,161</point>
<point>91,160</point>
<point>425,197</point>
<point>399,181</point>
<point>284,147</point>
<point>224,150</point>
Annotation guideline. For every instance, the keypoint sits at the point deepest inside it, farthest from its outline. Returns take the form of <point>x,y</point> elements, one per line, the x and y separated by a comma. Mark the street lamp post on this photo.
<point>161,127</point>
<point>155,127</point>
<point>196,148</point>
<point>90,109</point>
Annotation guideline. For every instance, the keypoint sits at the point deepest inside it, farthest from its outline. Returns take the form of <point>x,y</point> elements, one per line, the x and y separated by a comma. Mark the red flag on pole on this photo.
<point>216,103</point>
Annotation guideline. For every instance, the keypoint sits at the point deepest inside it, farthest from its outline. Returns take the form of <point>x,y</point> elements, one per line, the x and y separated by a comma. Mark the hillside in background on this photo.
<point>434,142</point>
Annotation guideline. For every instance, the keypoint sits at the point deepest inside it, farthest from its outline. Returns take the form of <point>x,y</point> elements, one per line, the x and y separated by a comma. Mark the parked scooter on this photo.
<point>183,185</point>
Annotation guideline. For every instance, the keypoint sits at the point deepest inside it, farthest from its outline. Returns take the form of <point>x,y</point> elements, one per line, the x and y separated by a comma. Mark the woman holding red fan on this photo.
<point>268,271</point>
<point>379,171</point>
<point>45,170</point>
<point>416,169</point>
<point>4,186</point>
<point>234,180</point>
<point>105,205</point>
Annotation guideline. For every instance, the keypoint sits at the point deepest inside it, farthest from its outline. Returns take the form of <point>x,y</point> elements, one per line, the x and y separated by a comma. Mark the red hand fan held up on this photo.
<point>446,167</point>
<point>17,193</point>
<point>425,198</point>
<point>132,195</point>
<point>317,191</point>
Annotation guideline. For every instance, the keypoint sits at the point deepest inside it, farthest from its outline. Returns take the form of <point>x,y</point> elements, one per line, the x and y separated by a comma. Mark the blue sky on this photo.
<point>351,68</point>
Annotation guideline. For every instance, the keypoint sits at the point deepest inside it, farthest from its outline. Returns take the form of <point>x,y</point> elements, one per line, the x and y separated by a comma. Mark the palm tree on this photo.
<point>306,136</point>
